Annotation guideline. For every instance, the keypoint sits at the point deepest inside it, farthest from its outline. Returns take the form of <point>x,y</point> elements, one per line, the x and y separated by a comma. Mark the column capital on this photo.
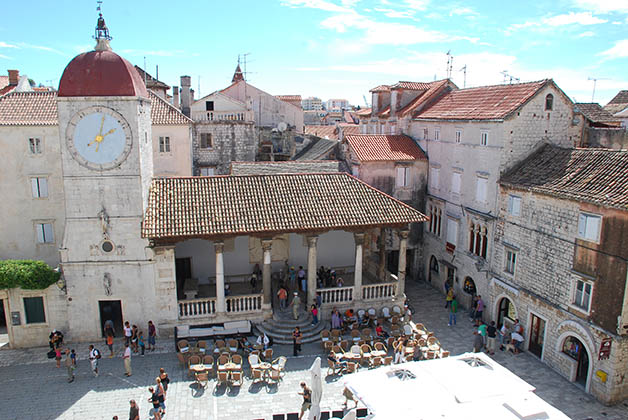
<point>267,244</point>
<point>312,240</point>
<point>403,234</point>
<point>359,238</point>
<point>219,247</point>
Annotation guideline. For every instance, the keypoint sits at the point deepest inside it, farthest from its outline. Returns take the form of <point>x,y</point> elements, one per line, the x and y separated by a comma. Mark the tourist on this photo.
<point>282,295</point>
<point>140,341</point>
<point>161,395</point>
<point>227,290</point>
<point>491,333</point>
<point>516,341</point>
<point>340,282</point>
<point>473,307</point>
<point>257,271</point>
<point>319,300</point>
<point>134,412</point>
<point>296,303</point>
<point>450,297</point>
<point>379,331</point>
<point>109,328</point>
<point>333,358</point>
<point>296,341</point>
<point>154,398</point>
<point>292,274</point>
<point>399,350</point>
<point>55,339</point>
<point>70,364</point>
<point>128,332</point>
<point>285,272</point>
<point>134,339</point>
<point>503,336</point>
<point>336,320</point>
<point>348,396</point>
<point>302,279</point>
<point>110,343</point>
<point>478,343</point>
<point>479,310</point>
<point>453,309</point>
<point>165,380</point>
<point>253,282</point>
<point>307,399</point>
<point>482,330</point>
<point>126,357</point>
<point>263,341</point>
<point>94,356</point>
<point>314,311</point>
<point>152,333</point>
<point>58,352</point>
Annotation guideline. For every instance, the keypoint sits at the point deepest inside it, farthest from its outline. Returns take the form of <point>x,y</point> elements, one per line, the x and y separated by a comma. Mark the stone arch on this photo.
<point>575,329</point>
<point>433,263</point>
<point>497,303</point>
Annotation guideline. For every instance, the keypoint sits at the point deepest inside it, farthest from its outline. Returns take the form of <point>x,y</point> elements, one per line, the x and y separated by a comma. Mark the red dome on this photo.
<point>101,73</point>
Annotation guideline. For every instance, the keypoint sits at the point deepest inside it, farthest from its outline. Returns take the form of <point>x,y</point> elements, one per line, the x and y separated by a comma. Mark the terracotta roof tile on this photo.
<point>289,98</point>
<point>598,176</point>
<point>7,89</point>
<point>363,112</point>
<point>162,113</point>
<point>377,147</point>
<point>482,103</point>
<point>287,167</point>
<point>29,108</point>
<point>433,88</point>
<point>330,131</point>
<point>595,113</point>
<point>618,103</point>
<point>380,88</point>
<point>4,81</point>
<point>205,207</point>
<point>150,81</point>
<point>411,85</point>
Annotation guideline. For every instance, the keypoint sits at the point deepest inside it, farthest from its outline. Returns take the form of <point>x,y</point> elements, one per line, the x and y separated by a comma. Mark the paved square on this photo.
<point>33,388</point>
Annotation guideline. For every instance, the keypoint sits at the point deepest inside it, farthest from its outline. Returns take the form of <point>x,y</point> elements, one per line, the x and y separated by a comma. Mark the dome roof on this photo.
<point>101,73</point>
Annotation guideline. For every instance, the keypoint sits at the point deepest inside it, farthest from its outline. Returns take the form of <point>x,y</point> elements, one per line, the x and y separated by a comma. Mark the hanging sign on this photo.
<point>605,349</point>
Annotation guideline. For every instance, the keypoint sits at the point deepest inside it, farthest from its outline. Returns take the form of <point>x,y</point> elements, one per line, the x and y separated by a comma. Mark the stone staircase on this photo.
<point>280,327</point>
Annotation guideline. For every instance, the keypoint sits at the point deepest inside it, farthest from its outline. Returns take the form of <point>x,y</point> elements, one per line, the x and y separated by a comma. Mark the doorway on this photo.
<point>506,312</point>
<point>111,310</point>
<point>576,350</point>
<point>451,274</point>
<point>433,269</point>
<point>183,267</point>
<point>3,319</point>
<point>537,335</point>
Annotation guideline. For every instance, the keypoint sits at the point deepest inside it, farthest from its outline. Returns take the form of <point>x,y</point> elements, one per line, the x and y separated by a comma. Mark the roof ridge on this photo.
<point>168,104</point>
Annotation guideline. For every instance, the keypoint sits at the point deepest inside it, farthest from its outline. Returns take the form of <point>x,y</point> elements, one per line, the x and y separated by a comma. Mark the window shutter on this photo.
<point>582,224</point>
<point>452,231</point>
<point>40,233</point>
<point>48,235</point>
<point>592,227</point>
<point>516,206</point>
<point>35,187</point>
<point>43,187</point>
<point>400,177</point>
<point>455,183</point>
<point>480,192</point>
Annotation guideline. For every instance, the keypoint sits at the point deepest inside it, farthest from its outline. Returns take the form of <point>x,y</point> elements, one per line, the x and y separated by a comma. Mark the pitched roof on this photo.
<point>150,81</point>
<point>482,103</point>
<point>411,85</point>
<point>206,207</point>
<point>618,103</point>
<point>6,89</point>
<point>598,176</point>
<point>317,149</point>
<point>431,90</point>
<point>331,131</point>
<point>4,81</point>
<point>162,113</point>
<point>595,113</point>
<point>287,167</point>
<point>289,97</point>
<point>40,108</point>
<point>29,108</point>
<point>380,88</point>
<point>378,147</point>
<point>364,112</point>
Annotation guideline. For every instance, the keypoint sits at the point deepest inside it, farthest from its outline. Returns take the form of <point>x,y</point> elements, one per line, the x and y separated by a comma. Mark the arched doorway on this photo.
<point>434,270</point>
<point>574,348</point>
<point>469,286</point>
<point>506,311</point>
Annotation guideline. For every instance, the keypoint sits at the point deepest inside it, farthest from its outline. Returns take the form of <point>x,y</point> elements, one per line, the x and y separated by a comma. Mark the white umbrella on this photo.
<point>317,389</point>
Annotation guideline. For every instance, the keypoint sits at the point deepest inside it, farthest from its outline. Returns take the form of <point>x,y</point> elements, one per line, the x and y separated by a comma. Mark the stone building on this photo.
<point>559,264</point>
<point>599,128</point>
<point>471,136</point>
<point>396,165</point>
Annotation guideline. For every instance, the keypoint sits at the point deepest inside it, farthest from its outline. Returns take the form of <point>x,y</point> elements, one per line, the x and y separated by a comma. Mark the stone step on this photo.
<point>280,327</point>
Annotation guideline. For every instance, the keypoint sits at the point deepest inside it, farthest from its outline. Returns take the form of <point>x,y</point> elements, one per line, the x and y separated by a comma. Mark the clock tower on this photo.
<point>105,132</point>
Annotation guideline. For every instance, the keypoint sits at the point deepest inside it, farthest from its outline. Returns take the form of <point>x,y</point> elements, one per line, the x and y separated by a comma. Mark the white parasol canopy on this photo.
<point>317,389</point>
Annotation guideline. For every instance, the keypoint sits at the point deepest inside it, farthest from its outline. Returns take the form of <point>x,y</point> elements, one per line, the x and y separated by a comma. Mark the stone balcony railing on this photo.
<point>219,116</point>
<point>207,307</point>
<point>197,308</point>
<point>382,291</point>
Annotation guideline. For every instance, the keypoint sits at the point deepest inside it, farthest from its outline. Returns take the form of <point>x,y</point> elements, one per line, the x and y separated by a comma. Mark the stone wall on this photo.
<point>232,141</point>
<point>609,138</point>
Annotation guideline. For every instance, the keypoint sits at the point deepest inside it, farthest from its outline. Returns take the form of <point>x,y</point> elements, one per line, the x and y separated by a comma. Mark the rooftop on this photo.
<point>618,103</point>
<point>482,103</point>
<point>287,167</point>
<point>598,176</point>
<point>209,207</point>
<point>596,114</point>
<point>331,131</point>
<point>380,147</point>
<point>163,113</point>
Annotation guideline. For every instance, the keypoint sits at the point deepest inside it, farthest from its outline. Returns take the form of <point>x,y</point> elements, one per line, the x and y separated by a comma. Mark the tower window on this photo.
<point>206,141</point>
<point>34,146</point>
<point>209,105</point>
<point>549,102</point>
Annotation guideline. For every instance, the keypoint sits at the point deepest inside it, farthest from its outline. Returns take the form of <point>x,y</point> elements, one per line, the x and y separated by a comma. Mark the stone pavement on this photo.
<point>33,388</point>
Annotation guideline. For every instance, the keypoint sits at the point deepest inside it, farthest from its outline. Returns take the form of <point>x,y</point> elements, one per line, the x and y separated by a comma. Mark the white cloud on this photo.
<point>603,6</point>
<point>619,50</point>
<point>5,57</point>
<point>6,45</point>
<point>586,34</point>
<point>583,18</point>
<point>417,4</point>
<point>462,11</point>
<point>396,14</point>
<point>317,4</point>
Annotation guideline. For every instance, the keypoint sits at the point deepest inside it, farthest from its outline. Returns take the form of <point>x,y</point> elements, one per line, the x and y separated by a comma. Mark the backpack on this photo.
<point>97,353</point>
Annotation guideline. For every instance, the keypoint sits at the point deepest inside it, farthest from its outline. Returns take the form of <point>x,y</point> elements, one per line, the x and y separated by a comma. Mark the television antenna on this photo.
<point>595,79</point>
<point>242,59</point>
<point>450,63</point>
<point>509,77</point>
<point>464,70</point>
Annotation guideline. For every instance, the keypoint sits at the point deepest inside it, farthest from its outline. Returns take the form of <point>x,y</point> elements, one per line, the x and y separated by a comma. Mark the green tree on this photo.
<point>27,274</point>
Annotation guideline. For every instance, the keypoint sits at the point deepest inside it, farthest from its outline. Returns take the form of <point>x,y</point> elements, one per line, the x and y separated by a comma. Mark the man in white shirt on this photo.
<point>128,332</point>
<point>127,359</point>
<point>263,340</point>
<point>94,355</point>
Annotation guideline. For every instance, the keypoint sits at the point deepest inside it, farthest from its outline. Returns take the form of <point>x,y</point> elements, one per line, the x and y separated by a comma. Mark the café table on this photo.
<point>378,353</point>
<point>201,368</point>
<point>265,368</point>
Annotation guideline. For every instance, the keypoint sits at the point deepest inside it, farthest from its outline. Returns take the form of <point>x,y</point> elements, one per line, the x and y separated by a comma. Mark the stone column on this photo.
<point>381,244</point>
<point>401,271</point>
<point>266,271</point>
<point>311,269</point>
<point>359,243</point>
<point>220,277</point>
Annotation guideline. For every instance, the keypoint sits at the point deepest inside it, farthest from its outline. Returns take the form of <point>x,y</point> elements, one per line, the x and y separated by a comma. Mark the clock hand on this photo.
<point>108,132</point>
<point>102,122</point>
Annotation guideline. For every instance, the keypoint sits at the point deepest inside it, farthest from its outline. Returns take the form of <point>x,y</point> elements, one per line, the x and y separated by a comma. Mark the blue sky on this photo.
<point>333,48</point>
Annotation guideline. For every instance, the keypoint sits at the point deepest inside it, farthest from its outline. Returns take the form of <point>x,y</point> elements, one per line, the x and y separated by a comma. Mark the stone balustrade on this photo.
<point>218,116</point>
<point>379,291</point>
<point>197,308</point>
<point>336,294</point>
<point>245,303</point>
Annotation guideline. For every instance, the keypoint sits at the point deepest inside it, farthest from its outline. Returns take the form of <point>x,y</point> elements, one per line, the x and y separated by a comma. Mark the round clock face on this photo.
<point>99,138</point>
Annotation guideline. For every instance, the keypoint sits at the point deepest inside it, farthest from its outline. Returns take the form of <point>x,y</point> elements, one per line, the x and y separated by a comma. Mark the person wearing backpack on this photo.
<point>94,356</point>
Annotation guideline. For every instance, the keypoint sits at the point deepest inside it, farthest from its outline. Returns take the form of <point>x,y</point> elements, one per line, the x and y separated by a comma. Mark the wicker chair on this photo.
<point>376,362</point>
<point>183,346</point>
<point>233,346</point>
<point>202,346</point>
<point>236,376</point>
<point>352,367</point>
<point>201,378</point>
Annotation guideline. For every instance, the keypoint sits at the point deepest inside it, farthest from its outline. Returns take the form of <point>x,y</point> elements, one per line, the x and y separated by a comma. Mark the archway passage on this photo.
<point>469,286</point>
<point>506,311</point>
<point>574,348</point>
<point>434,269</point>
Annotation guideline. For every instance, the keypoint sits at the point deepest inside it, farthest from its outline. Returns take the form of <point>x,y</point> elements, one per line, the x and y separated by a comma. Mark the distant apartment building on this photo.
<point>337,104</point>
<point>312,104</point>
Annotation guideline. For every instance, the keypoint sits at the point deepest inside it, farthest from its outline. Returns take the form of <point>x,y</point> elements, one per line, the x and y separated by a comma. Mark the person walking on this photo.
<point>306,392</point>
<point>302,279</point>
<point>296,303</point>
<point>94,356</point>
<point>128,332</point>
<point>282,295</point>
<point>127,360</point>
<point>453,309</point>
<point>70,365</point>
<point>482,330</point>
<point>491,333</point>
<point>165,380</point>
<point>296,341</point>
<point>503,336</point>
<point>152,333</point>
<point>134,412</point>
<point>348,397</point>
<point>161,394</point>
<point>140,341</point>
<point>154,399</point>
<point>134,343</point>
<point>110,343</point>
<point>479,310</point>
<point>58,355</point>
<point>450,297</point>
<point>109,327</point>
<point>314,311</point>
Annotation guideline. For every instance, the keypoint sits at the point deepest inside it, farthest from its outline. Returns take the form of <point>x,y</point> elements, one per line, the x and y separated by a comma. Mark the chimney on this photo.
<point>393,103</point>
<point>186,83</point>
<point>191,95</point>
<point>175,96</point>
<point>14,77</point>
